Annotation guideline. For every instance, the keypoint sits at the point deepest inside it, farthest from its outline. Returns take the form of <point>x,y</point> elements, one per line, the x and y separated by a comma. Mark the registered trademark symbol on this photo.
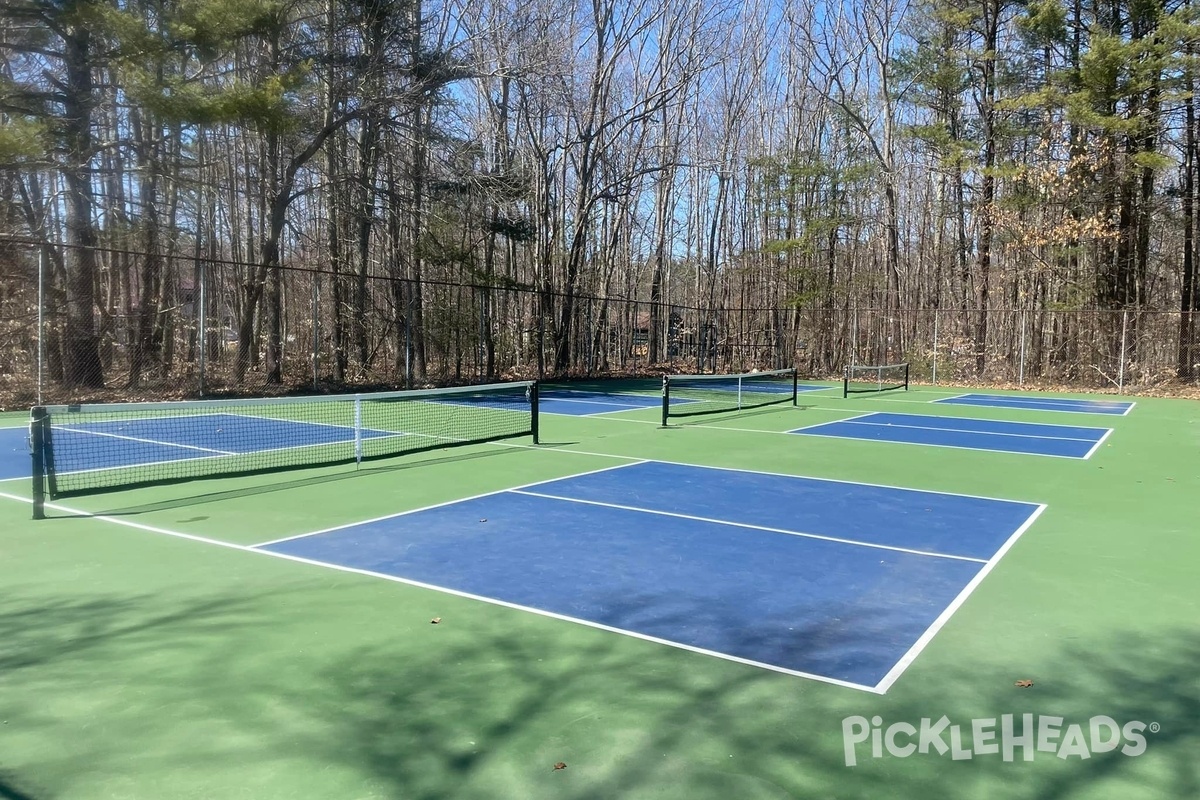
<point>1155,727</point>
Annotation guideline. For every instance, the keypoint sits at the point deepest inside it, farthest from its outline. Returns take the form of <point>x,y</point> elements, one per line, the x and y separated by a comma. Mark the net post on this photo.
<point>666,398</point>
<point>795,384</point>
<point>37,449</point>
<point>906,366</point>
<point>846,383</point>
<point>533,410</point>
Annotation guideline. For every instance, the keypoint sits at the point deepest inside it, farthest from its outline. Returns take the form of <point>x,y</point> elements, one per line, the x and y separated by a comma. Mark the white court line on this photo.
<point>761,472</point>
<point>280,419</point>
<point>1096,446</point>
<point>641,459</point>
<point>382,435</point>
<point>1024,400</point>
<point>746,525</point>
<point>907,659</point>
<point>819,424</point>
<point>944,399</point>
<point>145,441</point>
<point>552,399</point>
<point>1028,405</point>
<point>862,421</point>
<point>446,503</point>
<point>457,593</point>
<point>844,437</point>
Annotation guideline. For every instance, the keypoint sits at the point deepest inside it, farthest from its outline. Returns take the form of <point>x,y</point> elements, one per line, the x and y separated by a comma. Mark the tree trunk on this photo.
<point>81,344</point>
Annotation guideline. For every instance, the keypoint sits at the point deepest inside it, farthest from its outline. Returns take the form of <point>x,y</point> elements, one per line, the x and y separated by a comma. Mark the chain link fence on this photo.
<point>173,328</point>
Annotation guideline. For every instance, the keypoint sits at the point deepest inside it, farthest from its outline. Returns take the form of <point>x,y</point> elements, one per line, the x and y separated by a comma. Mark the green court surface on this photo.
<point>148,653</point>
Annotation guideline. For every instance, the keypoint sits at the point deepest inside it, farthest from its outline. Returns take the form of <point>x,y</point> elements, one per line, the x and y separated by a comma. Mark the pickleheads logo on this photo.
<point>1028,735</point>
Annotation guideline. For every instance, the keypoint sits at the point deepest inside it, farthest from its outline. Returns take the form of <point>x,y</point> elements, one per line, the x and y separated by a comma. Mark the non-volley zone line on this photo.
<point>1079,406</point>
<point>1027,438</point>
<point>837,581</point>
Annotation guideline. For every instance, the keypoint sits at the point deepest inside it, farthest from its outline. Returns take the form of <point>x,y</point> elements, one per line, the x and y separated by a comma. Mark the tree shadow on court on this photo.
<point>9,790</point>
<point>486,702</point>
<point>77,672</point>
<point>490,715</point>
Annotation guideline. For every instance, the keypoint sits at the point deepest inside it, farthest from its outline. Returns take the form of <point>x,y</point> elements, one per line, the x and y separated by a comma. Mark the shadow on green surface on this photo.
<point>484,704</point>
<point>10,792</point>
<point>436,726</point>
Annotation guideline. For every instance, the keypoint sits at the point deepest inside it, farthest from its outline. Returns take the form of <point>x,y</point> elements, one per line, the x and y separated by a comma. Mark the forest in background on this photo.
<point>268,194</point>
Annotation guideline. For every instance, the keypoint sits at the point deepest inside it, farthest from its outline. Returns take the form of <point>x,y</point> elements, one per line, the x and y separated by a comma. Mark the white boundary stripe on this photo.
<point>1017,405</point>
<point>444,504</point>
<point>944,399</point>
<point>864,421</point>
<point>457,593</point>
<point>553,398</point>
<point>908,658</point>
<point>641,460</point>
<point>223,454</point>
<point>761,472</point>
<point>746,525</point>
<point>1064,401</point>
<point>928,444</point>
<point>149,441</point>
<point>829,422</point>
<point>374,435</point>
<point>1096,446</point>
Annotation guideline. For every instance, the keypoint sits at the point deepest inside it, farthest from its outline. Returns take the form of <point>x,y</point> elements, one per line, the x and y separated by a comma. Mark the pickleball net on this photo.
<point>83,449</point>
<point>860,378</point>
<point>691,395</point>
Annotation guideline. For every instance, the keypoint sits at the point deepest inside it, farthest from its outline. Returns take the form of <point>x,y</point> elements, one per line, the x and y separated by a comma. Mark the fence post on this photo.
<point>541,337</point>
<point>1021,366</point>
<point>316,329</point>
<point>202,324</point>
<point>41,321</point>
<point>935,345</point>
<point>854,338</point>
<point>1121,366</point>
<point>408,342</point>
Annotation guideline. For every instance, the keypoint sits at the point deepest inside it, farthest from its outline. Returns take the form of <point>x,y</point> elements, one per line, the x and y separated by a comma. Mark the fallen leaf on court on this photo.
<point>1024,684</point>
<point>560,765</point>
<point>435,620</point>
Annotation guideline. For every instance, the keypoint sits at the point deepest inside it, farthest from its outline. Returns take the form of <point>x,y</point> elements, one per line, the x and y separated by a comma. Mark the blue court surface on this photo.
<point>1065,441</point>
<point>1113,407</point>
<point>837,581</point>
<point>576,403</point>
<point>14,454</point>
<point>154,440</point>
